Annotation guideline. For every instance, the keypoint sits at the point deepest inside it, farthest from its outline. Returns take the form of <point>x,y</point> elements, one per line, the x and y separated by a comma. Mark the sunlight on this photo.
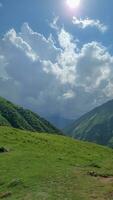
<point>73,3</point>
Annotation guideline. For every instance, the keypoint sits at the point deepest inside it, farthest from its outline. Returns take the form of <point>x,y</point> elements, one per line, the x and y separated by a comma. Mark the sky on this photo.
<point>56,57</point>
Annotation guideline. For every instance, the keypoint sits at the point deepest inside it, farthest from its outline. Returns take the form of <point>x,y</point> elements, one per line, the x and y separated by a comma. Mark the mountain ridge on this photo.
<point>15,116</point>
<point>94,126</point>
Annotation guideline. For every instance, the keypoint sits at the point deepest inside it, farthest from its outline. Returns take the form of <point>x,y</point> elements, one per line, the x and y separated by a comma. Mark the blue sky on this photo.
<point>54,60</point>
<point>37,13</point>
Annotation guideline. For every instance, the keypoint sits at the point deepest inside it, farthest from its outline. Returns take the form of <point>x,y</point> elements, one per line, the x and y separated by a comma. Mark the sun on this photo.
<point>73,3</point>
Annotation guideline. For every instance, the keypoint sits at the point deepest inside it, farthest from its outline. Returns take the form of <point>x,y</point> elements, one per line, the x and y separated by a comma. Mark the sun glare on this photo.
<point>73,3</point>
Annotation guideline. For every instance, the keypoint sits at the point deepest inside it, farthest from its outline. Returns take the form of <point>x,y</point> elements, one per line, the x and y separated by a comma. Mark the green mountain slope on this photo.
<point>95,126</point>
<point>51,167</point>
<point>17,117</point>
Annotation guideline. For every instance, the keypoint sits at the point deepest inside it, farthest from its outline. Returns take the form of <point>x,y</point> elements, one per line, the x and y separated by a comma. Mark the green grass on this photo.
<point>51,167</point>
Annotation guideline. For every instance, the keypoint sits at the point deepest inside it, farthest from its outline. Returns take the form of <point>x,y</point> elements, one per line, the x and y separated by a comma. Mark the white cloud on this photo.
<point>67,81</point>
<point>94,64</point>
<point>43,47</point>
<point>66,40</point>
<point>69,95</point>
<point>18,42</point>
<point>84,23</point>
<point>54,23</point>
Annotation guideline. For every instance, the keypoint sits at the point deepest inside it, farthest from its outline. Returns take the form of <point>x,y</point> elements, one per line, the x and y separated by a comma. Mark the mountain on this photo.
<point>51,167</point>
<point>59,121</point>
<point>95,126</point>
<point>18,117</point>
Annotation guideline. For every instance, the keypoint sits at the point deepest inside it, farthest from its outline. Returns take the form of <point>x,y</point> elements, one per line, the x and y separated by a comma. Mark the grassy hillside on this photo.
<point>17,117</point>
<point>51,167</point>
<point>95,126</point>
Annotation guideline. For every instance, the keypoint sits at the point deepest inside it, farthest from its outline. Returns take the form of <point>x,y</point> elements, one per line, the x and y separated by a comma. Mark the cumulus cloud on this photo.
<point>65,80</point>
<point>94,64</point>
<point>87,22</point>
